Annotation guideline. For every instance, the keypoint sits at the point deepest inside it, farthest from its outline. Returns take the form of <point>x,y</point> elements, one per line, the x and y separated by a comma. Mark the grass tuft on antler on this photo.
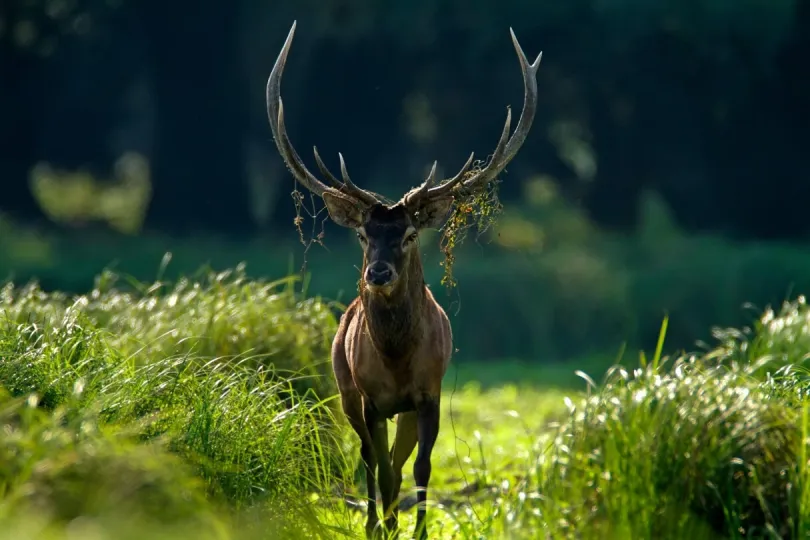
<point>473,209</point>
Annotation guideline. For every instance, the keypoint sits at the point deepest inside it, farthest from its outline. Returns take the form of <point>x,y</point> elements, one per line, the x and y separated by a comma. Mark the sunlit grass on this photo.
<point>116,373</point>
<point>205,409</point>
<point>487,440</point>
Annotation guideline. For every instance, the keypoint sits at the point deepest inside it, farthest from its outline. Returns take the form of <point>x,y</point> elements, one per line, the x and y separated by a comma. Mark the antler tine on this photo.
<point>447,185</point>
<point>352,189</point>
<point>346,186</point>
<point>426,190</point>
<point>506,150</point>
<point>275,115</point>
<point>419,192</point>
<point>325,171</point>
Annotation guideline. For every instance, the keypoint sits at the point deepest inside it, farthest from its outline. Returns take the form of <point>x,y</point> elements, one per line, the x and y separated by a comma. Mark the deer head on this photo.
<point>389,232</point>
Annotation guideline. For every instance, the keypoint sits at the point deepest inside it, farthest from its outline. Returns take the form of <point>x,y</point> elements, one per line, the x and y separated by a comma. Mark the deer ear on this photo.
<point>433,213</point>
<point>342,210</point>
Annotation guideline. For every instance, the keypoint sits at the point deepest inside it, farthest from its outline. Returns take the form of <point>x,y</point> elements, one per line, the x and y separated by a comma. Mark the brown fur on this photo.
<point>390,353</point>
<point>393,349</point>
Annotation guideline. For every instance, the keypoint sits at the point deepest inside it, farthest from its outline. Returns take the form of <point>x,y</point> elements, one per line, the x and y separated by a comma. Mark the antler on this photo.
<point>506,149</point>
<point>275,114</point>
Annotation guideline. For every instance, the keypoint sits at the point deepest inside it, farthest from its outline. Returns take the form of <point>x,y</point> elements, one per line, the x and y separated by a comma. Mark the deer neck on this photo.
<point>394,321</point>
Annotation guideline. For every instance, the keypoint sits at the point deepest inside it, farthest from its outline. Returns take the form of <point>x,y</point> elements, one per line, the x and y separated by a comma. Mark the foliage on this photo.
<point>76,198</point>
<point>103,435</point>
<point>131,384</point>
<point>650,450</point>
<point>218,317</point>
<point>687,447</point>
<point>49,459</point>
<point>778,341</point>
<point>724,59</point>
<point>700,447</point>
<point>62,467</point>
<point>478,209</point>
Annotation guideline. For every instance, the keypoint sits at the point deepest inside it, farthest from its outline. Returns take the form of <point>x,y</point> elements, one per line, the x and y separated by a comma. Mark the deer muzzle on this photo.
<point>380,274</point>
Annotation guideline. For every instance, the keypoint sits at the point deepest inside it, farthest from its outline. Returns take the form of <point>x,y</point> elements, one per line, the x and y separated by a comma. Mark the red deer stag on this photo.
<point>394,341</point>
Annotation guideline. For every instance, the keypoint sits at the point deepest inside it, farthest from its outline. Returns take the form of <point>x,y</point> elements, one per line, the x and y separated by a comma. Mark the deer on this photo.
<point>394,341</point>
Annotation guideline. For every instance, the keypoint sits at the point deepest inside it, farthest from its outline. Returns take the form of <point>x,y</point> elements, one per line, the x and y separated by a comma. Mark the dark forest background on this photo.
<point>666,173</point>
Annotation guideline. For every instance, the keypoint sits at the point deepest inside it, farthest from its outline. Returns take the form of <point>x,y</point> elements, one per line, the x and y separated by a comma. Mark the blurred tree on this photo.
<point>62,78</point>
<point>200,97</point>
<point>705,102</point>
<point>19,65</point>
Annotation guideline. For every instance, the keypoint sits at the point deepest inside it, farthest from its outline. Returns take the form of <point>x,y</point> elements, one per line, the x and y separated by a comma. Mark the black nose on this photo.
<point>378,274</point>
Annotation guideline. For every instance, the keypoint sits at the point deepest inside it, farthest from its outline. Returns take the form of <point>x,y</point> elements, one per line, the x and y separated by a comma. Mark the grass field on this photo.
<point>205,409</point>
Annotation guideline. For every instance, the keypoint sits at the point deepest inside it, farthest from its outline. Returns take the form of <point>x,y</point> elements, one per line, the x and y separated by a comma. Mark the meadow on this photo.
<point>204,408</point>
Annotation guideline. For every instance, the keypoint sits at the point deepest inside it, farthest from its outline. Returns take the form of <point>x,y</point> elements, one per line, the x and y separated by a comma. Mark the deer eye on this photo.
<point>361,237</point>
<point>411,238</point>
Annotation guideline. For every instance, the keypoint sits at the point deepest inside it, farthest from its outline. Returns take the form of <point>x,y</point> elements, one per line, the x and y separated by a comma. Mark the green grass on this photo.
<point>205,408</point>
<point>222,374</point>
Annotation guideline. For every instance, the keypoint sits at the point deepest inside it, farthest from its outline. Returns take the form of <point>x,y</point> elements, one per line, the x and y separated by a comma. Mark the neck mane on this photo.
<point>395,321</point>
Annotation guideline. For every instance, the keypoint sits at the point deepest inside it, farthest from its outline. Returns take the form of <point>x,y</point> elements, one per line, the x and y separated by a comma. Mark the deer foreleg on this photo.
<point>427,411</point>
<point>379,436</point>
<point>353,407</point>
<point>404,443</point>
